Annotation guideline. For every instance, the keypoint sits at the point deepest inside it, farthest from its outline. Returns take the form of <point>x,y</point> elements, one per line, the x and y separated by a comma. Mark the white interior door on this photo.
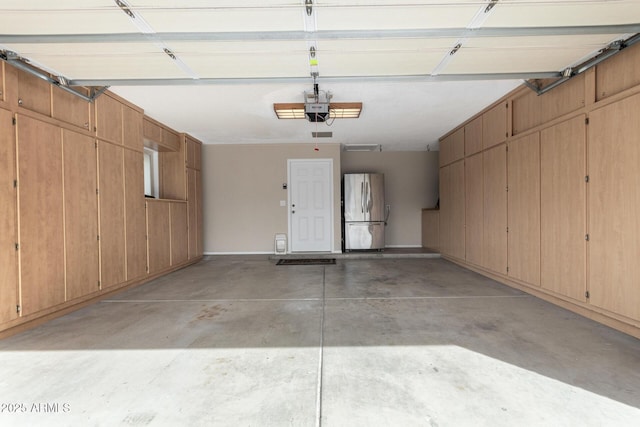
<point>310,205</point>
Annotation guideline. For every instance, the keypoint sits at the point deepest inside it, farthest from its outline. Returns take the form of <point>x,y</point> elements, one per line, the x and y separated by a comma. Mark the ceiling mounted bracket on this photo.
<point>490,6</point>
<point>62,82</point>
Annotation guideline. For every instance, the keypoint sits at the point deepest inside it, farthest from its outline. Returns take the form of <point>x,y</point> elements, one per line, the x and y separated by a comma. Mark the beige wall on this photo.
<point>242,190</point>
<point>411,184</point>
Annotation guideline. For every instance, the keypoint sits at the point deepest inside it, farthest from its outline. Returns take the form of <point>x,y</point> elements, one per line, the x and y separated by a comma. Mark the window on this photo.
<point>151,187</point>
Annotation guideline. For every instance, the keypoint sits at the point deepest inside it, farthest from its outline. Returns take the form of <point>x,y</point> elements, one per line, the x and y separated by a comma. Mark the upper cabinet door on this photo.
<point>473,137</point>
<point>132,128</point>
<point>71,109</point>
<point>108,119</point>
<point>8,226</point>
<point>33,93</point>
<point>494,125</point>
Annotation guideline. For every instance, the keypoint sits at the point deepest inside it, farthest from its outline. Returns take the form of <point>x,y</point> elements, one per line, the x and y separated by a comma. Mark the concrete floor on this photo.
<point>239,341</point>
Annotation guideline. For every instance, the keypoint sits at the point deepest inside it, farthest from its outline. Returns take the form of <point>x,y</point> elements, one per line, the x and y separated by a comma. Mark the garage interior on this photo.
<point>145,169</point>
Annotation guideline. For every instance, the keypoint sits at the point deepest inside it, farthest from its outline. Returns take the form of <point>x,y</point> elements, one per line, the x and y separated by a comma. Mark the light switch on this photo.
<point>283,203</point>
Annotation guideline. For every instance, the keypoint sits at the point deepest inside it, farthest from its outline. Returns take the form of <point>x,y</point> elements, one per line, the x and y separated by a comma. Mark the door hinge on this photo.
<point>586,294</point>
<point>14,121</point>
<point>18,309</point>
<point>586,121</point>
<point>586,178</point>
<point>17,247</point>
<point>586,237</point>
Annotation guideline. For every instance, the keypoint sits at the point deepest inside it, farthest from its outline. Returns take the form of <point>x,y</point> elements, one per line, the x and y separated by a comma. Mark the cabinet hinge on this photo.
<point>98,237</point>
<point>18,308</point>
<point>507,229</point>
<point>15,183</point>
<point>507,188</point>
<point>17,247</point>
<point>96,144</point>
<point>586,121</point>
<point>507,269</point>
<point>147,268</point>
<point>586,237</point>
<point>13,121</point>
<point>97,191</point>
<point>99,284</point>
<point>586,178</point>
<point>586,294</point>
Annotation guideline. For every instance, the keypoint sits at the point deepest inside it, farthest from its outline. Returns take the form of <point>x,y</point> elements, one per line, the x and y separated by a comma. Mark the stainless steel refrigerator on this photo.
<point>364,211</point>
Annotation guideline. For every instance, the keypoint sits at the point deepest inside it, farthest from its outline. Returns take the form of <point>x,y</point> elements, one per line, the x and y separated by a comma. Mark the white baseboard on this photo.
<point>238,253</point>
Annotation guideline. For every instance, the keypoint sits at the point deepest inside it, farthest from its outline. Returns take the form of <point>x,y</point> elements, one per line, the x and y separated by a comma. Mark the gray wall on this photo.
<point>411,184</point>
<point>242,189</point>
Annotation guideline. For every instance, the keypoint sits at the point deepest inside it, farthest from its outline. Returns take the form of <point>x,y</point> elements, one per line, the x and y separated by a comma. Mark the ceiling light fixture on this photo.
<point>338,110</point>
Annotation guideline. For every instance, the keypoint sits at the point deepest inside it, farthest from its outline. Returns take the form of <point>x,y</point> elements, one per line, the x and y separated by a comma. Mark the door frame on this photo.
<point>331,201</point>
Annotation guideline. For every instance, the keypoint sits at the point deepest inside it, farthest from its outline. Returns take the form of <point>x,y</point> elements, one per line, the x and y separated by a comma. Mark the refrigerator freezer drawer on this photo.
<point>364,235</point>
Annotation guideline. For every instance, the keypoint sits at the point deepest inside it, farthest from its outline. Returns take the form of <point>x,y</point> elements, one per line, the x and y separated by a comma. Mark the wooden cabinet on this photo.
<point>158,235</point>
<point>81,214</point>
<point>173,174</point>
<point>70,108</point>
<point>452,147</point>
<point>494,172</point>
<point>3,92</point>
<point>194,152</point>
<point>136,233</point>
<point>494,125</point>
<point>192,211</point>
<point>33,93</point>
<point>199,214</point>
<point>445,210</point>
<point>613,76</point>
<point>109,119</point>
<point>473,137</point>
<point>614,206</point>
<point>41,215</point>
<point>562,208</point>
<point>431,229</point>
<point>159,137</point>
<point>452,210</point>
<point>112,215</point>
<point>524,209</point>
<point>8,225</point>
<point>132,128</point>
<point>474,209</point>
<point>179,233</point>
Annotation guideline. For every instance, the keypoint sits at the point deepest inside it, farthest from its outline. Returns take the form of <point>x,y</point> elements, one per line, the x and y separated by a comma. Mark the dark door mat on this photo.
<point>306,261</point>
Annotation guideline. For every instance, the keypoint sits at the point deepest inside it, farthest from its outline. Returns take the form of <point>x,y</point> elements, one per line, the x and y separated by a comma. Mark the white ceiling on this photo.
<point>233,60</point>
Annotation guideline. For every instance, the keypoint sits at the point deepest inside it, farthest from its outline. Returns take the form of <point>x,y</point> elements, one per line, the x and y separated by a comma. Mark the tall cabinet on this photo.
<point>74,223</point>
<point>552,192</point>
<point>8,221</point>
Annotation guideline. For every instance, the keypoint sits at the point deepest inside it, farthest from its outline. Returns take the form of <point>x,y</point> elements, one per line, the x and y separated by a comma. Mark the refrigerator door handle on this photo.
<point>362,196</point>
<point>368,194</point>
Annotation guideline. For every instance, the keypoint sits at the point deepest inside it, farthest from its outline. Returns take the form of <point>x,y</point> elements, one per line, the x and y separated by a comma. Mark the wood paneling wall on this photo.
<point>73,222</point>
<point>570,165</point>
